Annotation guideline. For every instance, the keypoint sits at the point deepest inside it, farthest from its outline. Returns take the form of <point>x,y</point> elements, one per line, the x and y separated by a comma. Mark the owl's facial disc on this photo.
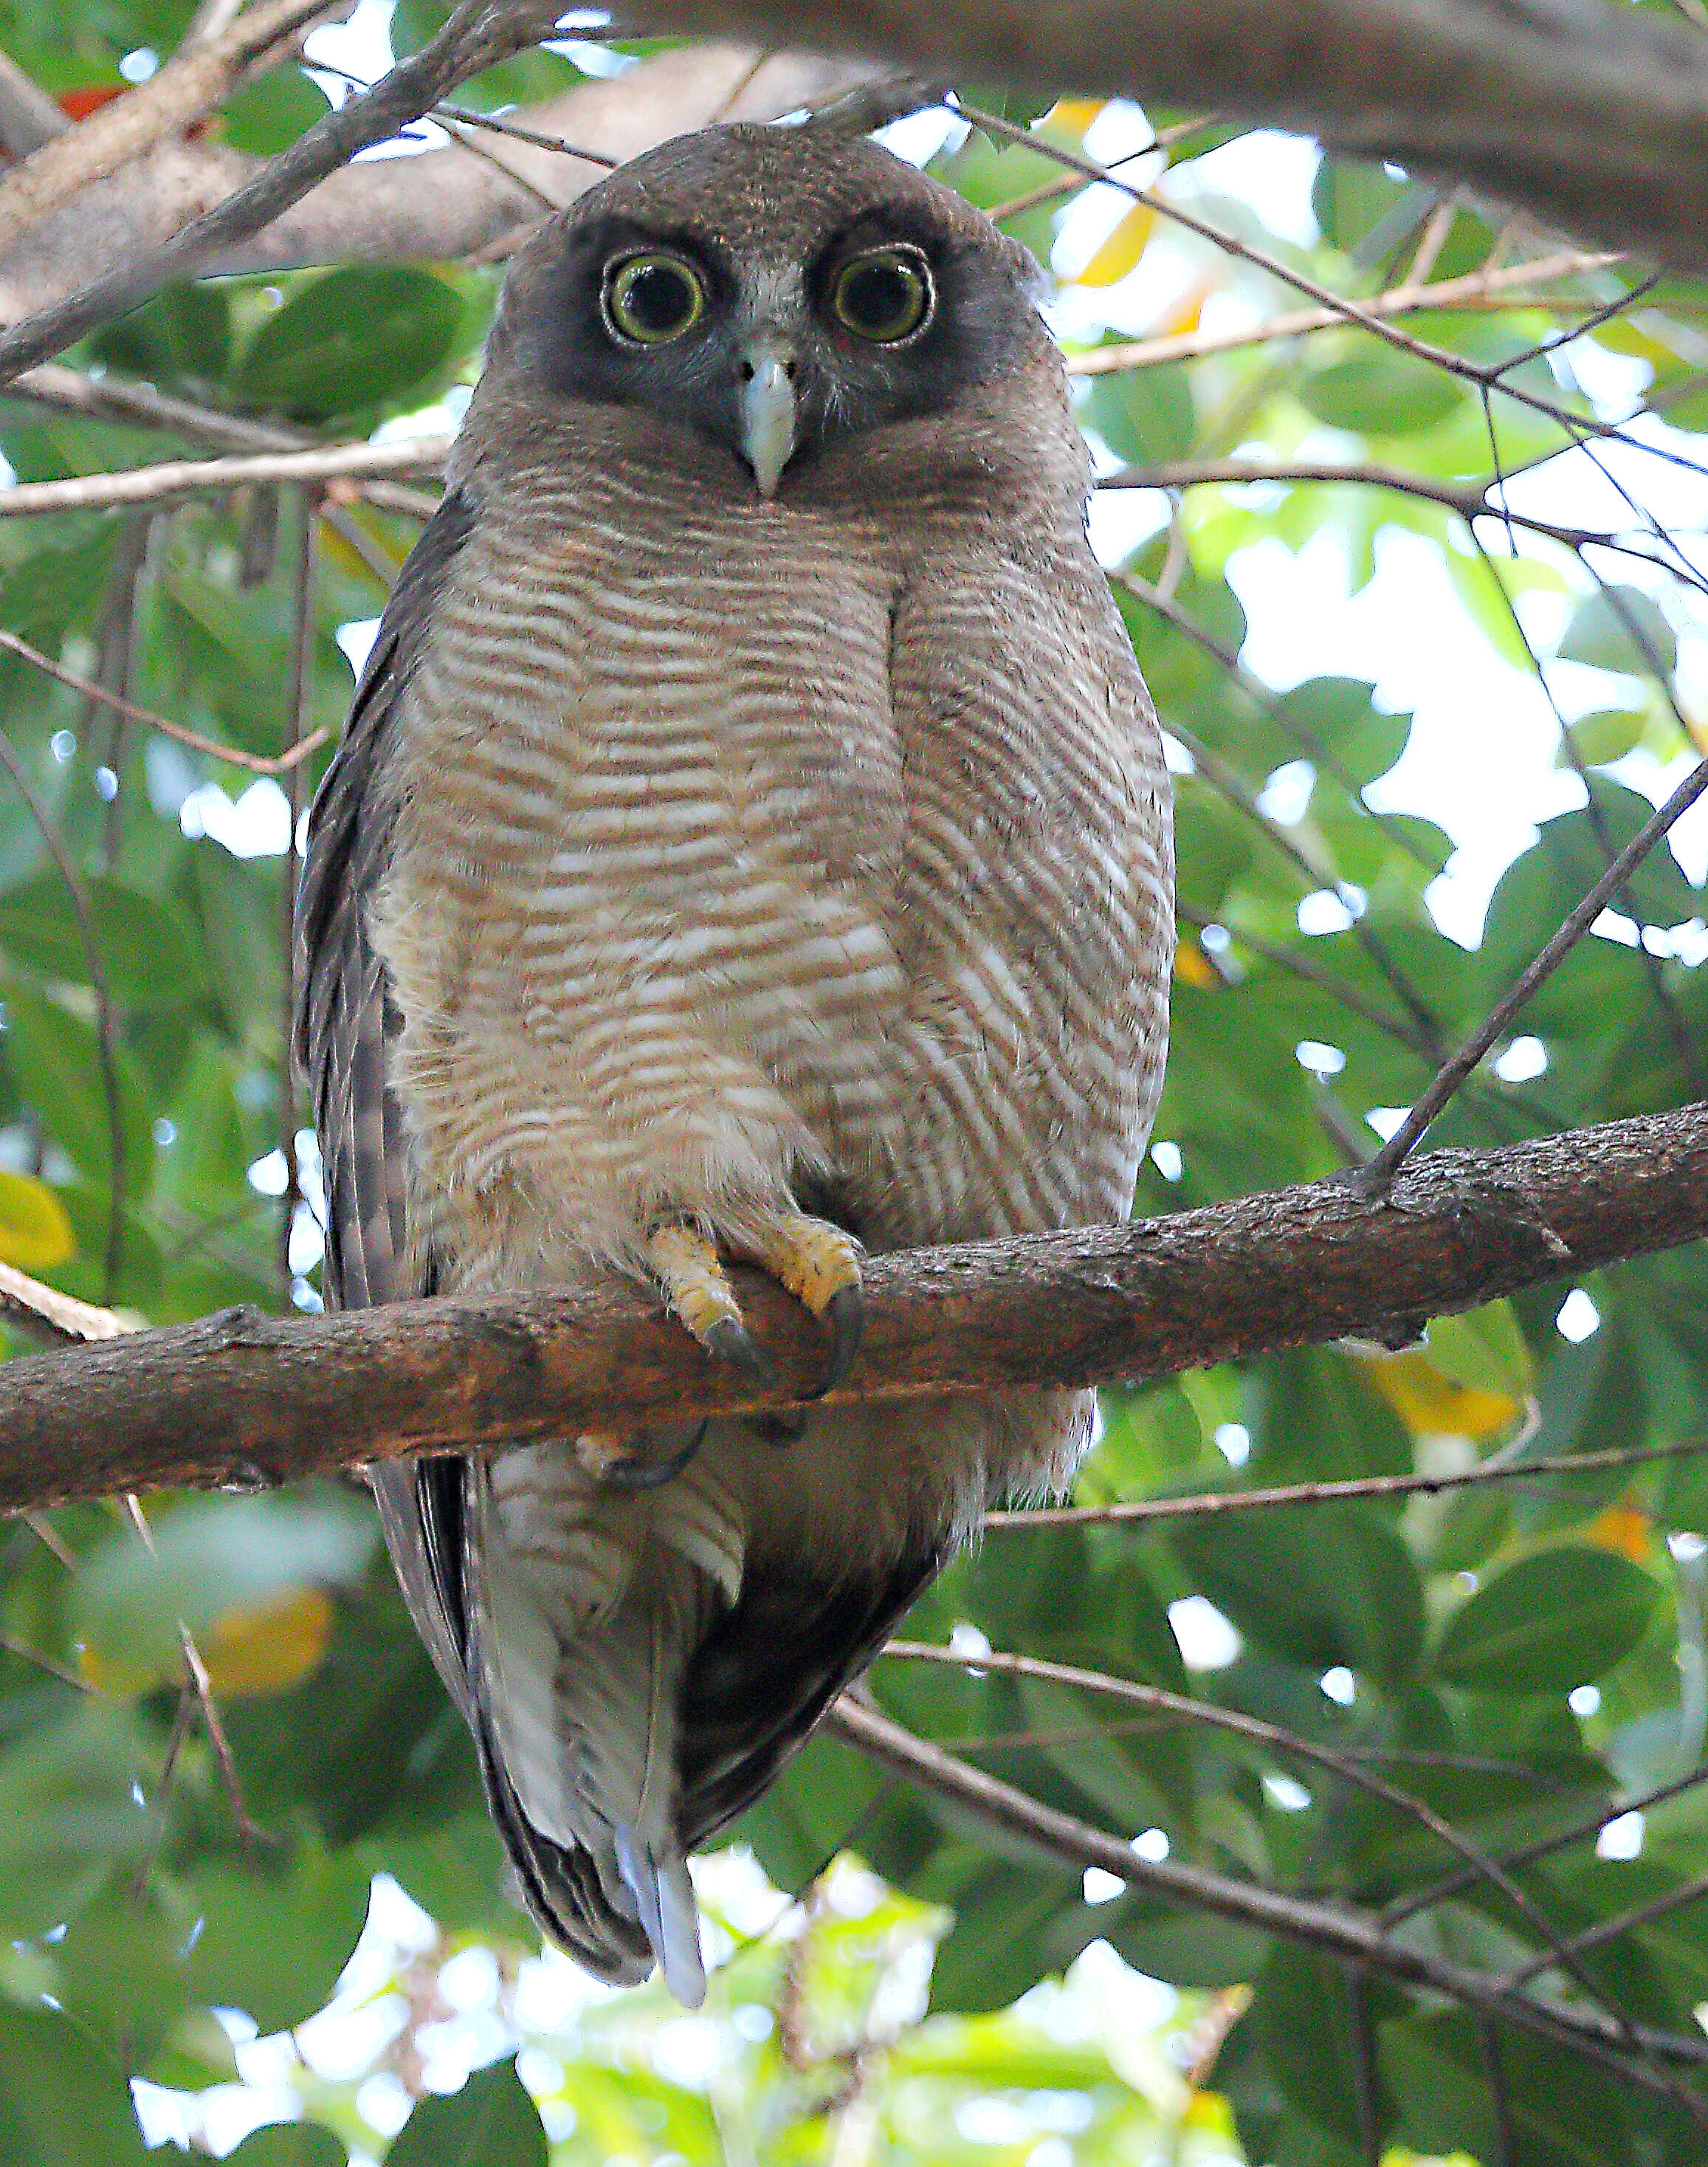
<point>775,341</point>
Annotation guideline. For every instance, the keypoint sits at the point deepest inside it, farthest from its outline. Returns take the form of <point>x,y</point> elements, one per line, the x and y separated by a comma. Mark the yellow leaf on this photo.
<point>35,1232</point>
<point>1121,251</point>
<point>1184,314</point>
<point>271,1647</point>
<point>1072,116</point>
<point>1624,1528</point>
<point>1430,1405</point>
<point>1193,968</point>
<point>267,1648</point>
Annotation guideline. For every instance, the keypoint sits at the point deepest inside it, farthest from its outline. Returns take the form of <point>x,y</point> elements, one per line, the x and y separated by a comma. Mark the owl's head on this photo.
<point>773,291</point>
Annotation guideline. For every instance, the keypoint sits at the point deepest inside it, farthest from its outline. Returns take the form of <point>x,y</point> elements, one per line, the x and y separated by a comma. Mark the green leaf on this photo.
<point>1302,2016</point>
<point>1387,394</point>
<point>145,946</point>
<point>1559,1619</point>
<point>1145,415</point>
<point>60,2100</point>
<point>351,340</point>
<point>1483,1348</point>
<point>184,334</point>
<point>274,1943</point>
<point>69,1813</point>
<point>56,1057</point>
<point>267,116</point>
<point>1319,1586</point>
<point>288,2145</point>
<point>491,2122</point>
<point>1620,629</point>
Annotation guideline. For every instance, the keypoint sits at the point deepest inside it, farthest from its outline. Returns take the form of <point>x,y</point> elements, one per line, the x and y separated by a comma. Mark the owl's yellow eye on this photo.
<point>884,295</point>
<point>652,298</point>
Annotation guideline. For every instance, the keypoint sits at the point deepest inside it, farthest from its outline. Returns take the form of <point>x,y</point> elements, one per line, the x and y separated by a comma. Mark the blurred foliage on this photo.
<point>179,1841</point>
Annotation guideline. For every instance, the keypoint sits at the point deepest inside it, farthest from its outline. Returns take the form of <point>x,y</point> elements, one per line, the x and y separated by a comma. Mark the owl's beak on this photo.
<point>768,409</point>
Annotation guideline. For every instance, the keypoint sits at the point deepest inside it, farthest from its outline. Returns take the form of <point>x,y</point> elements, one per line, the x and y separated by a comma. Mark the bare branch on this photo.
<point>1211,1504</point>
<point>256,763</point>
<point>1590,116</point>
<point>1399,301</point>
<point>1290,1746</point>
<point>187,88</point>
<point>28,117</point>
<point>172,479</point>
<point>439,205</point>
<point>1374,1177</point>
<point>215,1401</point>
<point>1337,1929</point>
<point>43,1314</point>
<point>476,34</point>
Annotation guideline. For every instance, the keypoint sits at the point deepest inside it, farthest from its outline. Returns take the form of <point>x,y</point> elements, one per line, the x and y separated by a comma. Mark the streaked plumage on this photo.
<point>700,856</point>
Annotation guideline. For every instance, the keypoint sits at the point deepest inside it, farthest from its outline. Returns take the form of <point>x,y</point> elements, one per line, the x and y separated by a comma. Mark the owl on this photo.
<point>750,841</point>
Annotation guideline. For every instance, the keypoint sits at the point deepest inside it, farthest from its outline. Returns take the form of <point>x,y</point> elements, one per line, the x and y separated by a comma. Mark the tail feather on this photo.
<point>587,1611</point>
<point>663,1896</point>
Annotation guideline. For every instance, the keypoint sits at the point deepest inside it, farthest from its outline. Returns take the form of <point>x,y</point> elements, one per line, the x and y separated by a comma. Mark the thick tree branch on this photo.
<point>1594,117</point>
<point>186,89</point>
<point>241,1398</point>
<point>438,205</point>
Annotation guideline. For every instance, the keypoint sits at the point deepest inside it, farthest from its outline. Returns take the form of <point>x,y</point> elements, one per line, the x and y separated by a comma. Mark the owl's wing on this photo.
<point>767,1671</point>
<point>345,1020</point>
<point>344,1016</point>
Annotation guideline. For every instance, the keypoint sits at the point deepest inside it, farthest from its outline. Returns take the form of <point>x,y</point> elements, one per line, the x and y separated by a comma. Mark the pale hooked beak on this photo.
<point>768,409</point>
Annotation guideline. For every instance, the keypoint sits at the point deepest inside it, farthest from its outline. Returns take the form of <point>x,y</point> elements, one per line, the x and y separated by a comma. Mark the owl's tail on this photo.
<point>588,1609</point>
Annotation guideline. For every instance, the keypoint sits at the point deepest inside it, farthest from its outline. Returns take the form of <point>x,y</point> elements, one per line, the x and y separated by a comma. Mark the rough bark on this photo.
<point>242,1397</point>
<point>1593,117</point>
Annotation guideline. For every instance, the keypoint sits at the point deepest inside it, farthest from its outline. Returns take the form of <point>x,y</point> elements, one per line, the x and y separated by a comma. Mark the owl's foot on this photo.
<point>615,1464</point>
<point>700,1296</point>
<point>819,1263</point>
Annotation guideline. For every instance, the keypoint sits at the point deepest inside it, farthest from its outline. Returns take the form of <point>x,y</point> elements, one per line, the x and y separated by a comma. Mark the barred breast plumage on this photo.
<point>700,854</point>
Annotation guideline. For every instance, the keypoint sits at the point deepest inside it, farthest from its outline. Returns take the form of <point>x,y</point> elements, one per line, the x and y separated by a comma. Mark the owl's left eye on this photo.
<point>885,294</point>
<point>652,298</point>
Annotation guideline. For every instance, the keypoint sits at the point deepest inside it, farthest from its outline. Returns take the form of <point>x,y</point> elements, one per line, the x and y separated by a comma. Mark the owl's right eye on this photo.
<point>652,298</point>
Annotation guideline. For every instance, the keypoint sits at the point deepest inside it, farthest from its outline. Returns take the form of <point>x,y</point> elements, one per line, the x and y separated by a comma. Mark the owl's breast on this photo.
<point>639,915</point>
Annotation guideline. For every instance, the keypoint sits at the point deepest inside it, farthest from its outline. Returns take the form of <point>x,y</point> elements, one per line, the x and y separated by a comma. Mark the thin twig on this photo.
<point>477,34</point>
<point>1365,2085</point>
<point>1505,2151</point>
<point>106,1021</point>
<point>54,1669</point>
<point>1375,1179</point>
<point>1212,1503</point>
<point>1348,311</point>
<point>1337,1929</point>
<point>301,702</point>
<point>180,477</point>
<point>255,763</point>
<point>54,1319</point>
<point>1398,301</point>
<point>1609,1929</point>
<point>1405,1907</point>
<point>1285,1743</point>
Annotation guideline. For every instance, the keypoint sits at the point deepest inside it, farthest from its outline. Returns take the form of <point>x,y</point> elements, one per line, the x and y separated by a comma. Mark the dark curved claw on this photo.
<point>731,1341</point>
<point>845,1313</point>
<point>638,1474</point>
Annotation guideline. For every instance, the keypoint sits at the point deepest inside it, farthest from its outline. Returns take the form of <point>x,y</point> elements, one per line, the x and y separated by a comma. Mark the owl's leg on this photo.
<point>819,1263</point>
